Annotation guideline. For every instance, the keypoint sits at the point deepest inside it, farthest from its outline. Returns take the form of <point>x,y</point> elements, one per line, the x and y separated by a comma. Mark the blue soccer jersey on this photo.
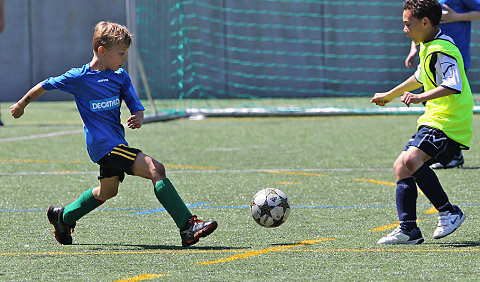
<point>461,31</point>
<point>99,95</point>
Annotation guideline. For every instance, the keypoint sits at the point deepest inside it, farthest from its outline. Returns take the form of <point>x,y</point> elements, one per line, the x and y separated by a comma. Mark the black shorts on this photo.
<point>434,143</point>
<point>118,162</point>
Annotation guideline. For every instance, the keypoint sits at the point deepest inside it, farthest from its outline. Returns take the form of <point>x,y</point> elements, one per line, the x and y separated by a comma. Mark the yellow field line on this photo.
<point>287,183</point>
<point>431,210</point>
<point>376,181</point>
<point>386,227</point>
<point>264,251</point>
<point>382,182</point>
<point>389,226</point>
<point>141,277</point>
<point>295,173</point>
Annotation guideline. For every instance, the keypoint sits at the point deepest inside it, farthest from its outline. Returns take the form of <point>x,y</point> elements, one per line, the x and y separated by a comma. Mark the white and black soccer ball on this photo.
<point>270,207</point>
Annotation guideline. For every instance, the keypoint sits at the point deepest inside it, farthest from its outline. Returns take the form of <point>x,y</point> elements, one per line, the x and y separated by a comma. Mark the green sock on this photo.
<point>171,201</point>
<point>83,205</point>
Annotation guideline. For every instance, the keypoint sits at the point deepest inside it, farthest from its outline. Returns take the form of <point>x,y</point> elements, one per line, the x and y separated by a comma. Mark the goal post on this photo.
<point>266,57</point>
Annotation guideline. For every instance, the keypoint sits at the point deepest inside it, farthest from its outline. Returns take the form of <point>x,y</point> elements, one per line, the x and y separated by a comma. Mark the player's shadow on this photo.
<point>465,244</point>
<point>132,247</point>
<point>469,167</point>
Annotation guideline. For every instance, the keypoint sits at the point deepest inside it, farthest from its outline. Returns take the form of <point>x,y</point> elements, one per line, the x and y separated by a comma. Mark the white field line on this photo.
<point>48,173</point>
<point>199,171</point>
<point>47,135</point>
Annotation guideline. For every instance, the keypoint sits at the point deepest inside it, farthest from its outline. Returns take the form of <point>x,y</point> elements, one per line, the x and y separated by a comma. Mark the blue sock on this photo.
<point>428,182</point>
<point>406,198</point>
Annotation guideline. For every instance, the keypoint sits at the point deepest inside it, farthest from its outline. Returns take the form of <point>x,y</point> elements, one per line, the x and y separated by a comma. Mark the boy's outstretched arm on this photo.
<point>411,56</point>
<point>381,99</point>
<point>410,98</point>
<point>18,108</point>
<point>135,120</point>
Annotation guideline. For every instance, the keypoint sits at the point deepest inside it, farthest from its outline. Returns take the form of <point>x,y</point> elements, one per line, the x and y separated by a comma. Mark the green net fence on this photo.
<point>231,57</point>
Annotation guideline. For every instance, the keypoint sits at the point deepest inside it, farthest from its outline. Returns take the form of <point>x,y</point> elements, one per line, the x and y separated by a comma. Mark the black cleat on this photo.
<point>62,231</point>
<point>457,161</point>
<point>195,229</point>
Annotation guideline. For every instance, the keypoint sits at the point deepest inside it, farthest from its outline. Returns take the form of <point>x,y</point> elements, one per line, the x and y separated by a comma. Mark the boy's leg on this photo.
<point>147,167</point>
<point>406,200</point>
<point>450,217</point>
<point>191,228</point>
<point>171,201</point>
<point>91,199</point>
<point>64,219</point>
<point>426,178</point>
<point>405,195</point>
<point>428,182</point>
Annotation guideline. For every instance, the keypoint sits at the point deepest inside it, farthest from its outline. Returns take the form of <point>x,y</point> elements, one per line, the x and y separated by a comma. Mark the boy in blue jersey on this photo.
<point>443,130</point>
<point>99,88</point>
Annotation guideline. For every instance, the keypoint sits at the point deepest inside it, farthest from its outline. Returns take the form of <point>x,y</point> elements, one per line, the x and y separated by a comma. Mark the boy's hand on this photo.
<point>410,61</point>
<point>135,120</point>
<point>381,99</point>
<point>16,110</point>
<point>410,98</point>
<point>448,15</point>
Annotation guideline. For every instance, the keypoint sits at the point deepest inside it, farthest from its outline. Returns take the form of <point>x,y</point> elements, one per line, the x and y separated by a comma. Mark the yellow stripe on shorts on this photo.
<point>123,155</point>
<point>124,151</point>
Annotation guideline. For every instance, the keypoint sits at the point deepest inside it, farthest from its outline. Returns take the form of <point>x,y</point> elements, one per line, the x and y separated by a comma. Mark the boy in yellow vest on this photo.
<point>443,130</point>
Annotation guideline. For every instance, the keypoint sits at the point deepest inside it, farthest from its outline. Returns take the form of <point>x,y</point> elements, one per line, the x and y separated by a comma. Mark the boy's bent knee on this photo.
<point>159,167</point>
<point>108,188</point>
<point>400,169</point>
<point>412,163</point>
<point>104,194</point>
<point>147,167</point>
<point>108,195</point>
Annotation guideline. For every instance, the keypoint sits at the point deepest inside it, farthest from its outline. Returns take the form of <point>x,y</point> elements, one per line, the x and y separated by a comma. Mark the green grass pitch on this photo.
<point>336,172</point>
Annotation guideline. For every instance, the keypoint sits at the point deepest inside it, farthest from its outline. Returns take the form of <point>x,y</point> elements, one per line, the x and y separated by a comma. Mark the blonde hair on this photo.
<point>108,34</point>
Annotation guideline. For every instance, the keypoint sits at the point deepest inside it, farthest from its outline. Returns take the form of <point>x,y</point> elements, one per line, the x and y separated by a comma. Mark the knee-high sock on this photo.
<point>428,182</point>
<point>171,201</point>
<point>406,199</point>
<point>83,205</point>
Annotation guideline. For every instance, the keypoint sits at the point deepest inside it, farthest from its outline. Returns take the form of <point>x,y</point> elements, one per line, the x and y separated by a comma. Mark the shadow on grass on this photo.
<point>105,247</point>
<point>465,244</point>
<point>469,167</point>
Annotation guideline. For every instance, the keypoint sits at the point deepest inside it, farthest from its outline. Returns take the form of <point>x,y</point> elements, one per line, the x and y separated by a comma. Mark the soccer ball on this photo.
<point>270,207</point>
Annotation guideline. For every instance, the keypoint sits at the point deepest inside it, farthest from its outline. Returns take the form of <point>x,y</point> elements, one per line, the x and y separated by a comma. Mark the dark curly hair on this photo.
<point>425,9</point>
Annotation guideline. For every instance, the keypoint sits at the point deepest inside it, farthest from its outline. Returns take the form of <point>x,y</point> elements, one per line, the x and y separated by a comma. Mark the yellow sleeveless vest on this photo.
<point>452,114</point>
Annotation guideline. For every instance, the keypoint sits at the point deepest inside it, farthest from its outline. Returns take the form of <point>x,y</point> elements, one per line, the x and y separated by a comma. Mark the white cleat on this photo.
<point>448,222</point>
<point>399,236</point>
